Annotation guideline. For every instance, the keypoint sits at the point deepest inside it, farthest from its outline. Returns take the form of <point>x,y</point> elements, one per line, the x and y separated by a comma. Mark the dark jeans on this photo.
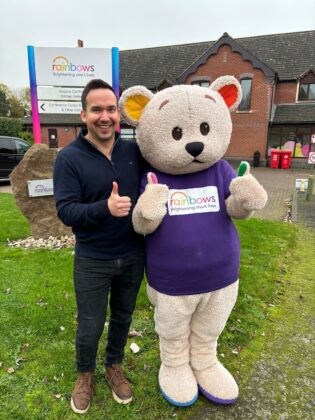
<point>93,280</point>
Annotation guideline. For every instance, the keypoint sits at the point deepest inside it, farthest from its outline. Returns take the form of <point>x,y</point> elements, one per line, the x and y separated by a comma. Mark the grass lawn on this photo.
<point>38,324</point>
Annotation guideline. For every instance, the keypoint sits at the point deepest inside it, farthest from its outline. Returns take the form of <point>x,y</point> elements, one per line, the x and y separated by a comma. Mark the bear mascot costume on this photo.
<point>189,197</point>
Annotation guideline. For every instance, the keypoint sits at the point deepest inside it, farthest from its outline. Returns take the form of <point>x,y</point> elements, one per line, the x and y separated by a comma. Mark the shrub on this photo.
<point>26,135</point>
<point>10,126</point>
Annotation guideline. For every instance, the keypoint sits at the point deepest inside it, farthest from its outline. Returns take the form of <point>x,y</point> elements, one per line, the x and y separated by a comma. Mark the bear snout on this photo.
<point>194,148</point>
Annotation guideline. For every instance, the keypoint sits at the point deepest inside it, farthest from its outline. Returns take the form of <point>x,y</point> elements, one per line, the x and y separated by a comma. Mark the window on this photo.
<point>296,139</point>
<point>21,147</point>
<point>6,146</point>
<point>307,86</point>
<point>247,93</point>
<point>202,83</point>
<point>307,92</point>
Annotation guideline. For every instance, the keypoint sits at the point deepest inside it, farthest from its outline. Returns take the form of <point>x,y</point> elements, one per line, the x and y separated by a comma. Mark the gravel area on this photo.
<point>50,243</point>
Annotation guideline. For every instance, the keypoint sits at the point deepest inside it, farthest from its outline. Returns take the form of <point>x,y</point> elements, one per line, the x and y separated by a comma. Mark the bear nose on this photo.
<point>194,148</point>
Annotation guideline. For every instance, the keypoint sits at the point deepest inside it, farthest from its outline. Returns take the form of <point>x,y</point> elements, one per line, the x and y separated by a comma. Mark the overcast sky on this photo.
<point>129,24</point>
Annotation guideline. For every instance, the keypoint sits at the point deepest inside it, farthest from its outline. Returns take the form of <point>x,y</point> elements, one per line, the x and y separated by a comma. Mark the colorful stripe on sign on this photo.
<point>35,114</point>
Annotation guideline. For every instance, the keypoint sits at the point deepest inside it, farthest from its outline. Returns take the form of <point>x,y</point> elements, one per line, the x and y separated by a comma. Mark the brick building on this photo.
<point>277,74</point>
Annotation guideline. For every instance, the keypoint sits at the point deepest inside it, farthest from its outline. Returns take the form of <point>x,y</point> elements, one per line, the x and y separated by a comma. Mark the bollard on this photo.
<point>309,191</point>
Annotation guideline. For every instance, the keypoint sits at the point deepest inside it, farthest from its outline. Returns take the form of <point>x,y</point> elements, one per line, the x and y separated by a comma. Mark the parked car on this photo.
<point>12,150</point>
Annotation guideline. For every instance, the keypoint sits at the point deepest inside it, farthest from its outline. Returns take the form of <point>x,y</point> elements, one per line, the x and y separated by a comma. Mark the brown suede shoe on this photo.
<point>82,393</point>
<point>120,386</point>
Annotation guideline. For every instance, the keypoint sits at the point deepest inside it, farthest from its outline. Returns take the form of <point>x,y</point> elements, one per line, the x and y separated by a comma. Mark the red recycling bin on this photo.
<point>285,159</point>
<point>275,158</point>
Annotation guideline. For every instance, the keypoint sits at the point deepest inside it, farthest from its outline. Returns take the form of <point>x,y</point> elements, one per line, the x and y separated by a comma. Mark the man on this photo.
<point>96,182</point>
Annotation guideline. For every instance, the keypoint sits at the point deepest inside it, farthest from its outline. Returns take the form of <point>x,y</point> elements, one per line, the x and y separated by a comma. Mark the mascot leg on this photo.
<point>172,318</point>
<point>214,381</point>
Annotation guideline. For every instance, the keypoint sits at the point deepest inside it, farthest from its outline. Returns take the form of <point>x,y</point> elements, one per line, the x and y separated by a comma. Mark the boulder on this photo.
<point>37,163</point>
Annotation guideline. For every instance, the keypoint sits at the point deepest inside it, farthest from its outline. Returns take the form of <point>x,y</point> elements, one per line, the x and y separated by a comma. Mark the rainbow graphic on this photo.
<point>179,198</point>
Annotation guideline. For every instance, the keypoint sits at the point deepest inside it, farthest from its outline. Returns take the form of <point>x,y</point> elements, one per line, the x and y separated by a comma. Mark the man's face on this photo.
<point>101,116</point>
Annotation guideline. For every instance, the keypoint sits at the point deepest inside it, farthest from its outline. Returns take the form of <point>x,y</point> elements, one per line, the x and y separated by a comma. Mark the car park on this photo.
<point>12,150</point>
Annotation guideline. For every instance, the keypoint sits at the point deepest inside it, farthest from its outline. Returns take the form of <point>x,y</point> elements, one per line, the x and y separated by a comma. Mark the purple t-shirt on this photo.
<point>196,248</point>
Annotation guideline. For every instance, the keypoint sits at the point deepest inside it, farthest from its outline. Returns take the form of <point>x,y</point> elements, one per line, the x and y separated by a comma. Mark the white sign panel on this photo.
<point>301,183</point>
<point>193,200</point>
<point>72,66</point>
<point>59,93</point>
<point>55,107</point>
<point>313,138</point>
<point>311,158</point>
<point>40,187</point>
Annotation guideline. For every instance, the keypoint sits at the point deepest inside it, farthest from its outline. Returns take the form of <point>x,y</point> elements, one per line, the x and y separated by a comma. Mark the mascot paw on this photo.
<point>217,384</point>
<point>178,385</point>
<point>153,201</point>
<point>247,190</point>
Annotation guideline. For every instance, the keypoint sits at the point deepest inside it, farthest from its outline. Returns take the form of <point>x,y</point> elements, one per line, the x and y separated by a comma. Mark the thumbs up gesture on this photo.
<point>119,206</point>
<point>151,206</point>
<point>153,200</point>
<point>247,191</point>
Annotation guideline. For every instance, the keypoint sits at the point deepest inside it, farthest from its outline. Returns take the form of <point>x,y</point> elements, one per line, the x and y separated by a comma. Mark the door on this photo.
<point>52,137</point>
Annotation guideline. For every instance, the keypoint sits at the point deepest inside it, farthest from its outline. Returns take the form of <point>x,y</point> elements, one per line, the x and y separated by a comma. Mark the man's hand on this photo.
<point>117,205</point>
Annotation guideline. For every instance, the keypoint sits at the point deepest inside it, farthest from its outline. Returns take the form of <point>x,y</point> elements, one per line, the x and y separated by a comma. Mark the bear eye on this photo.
<point>177,133</point>
<point>204,128</point>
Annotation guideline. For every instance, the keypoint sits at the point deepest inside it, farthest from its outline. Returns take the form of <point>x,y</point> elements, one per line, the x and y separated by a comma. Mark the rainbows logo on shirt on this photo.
<point>179,198</point>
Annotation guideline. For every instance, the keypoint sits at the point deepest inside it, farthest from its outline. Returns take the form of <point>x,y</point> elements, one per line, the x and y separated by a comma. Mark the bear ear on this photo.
<point>230,90</point>
<point>132,103</point>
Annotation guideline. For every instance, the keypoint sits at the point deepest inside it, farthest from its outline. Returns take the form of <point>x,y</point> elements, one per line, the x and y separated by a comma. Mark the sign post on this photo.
<point>35,115</point>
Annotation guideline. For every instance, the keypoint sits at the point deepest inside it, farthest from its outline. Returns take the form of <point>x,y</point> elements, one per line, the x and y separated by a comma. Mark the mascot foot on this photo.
<point>178,385</point>
<point>217,384</point>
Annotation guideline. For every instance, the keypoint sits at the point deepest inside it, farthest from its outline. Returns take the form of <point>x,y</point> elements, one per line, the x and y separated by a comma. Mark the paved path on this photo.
<point>303,210</point>
<point>5,187</point>
<point>280,185</point>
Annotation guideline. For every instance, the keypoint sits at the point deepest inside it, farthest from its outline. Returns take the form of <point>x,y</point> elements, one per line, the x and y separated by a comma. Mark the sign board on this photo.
<point>59,93</point>
<point>313,138</point>
<point>311,158</point>
<point>300,182</point>
<point>40,187</point>
<point>72,66</point>
<point>55,107</point>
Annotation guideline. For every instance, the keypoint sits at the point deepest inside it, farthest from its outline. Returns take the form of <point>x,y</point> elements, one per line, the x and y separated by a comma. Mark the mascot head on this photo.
<point>182,129</point>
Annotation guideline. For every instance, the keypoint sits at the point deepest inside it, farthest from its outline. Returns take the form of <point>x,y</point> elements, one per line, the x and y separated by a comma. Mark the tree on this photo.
<point>24,97</point>
<point>16,107</point>
<point>14,103</point>
<point>4,103</point>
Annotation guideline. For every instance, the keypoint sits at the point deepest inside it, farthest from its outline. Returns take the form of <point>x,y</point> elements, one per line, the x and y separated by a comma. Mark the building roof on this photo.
<point>236,47</point>
<point>294,114</point>
<point>288,55</point>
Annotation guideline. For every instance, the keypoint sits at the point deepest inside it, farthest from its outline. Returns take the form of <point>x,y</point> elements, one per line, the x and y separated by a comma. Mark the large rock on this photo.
<point>41,212</point>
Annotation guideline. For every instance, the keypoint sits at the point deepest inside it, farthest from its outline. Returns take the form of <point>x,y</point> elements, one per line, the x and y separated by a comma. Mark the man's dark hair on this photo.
<point>92,85</point>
